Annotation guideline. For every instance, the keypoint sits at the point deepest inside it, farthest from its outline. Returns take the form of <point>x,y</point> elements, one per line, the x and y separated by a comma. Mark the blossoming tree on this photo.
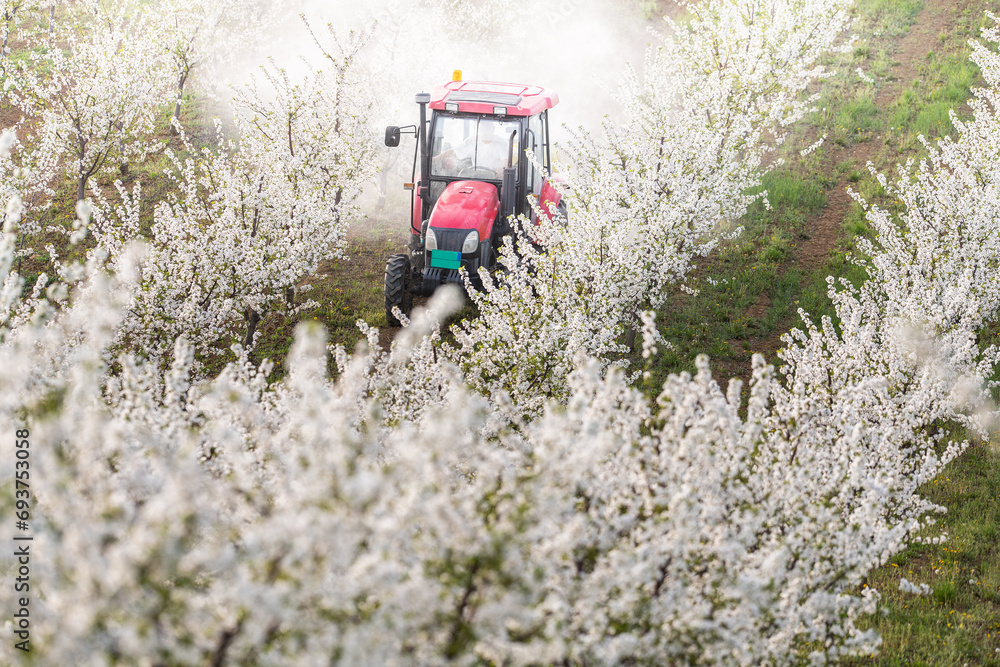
<point>94,90</point>
<point>202,35</point>
<point>253,217</point>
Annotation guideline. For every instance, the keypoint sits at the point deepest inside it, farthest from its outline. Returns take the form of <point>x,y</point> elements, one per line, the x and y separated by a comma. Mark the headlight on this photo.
<point>431,242</point>
<point>471,242</point>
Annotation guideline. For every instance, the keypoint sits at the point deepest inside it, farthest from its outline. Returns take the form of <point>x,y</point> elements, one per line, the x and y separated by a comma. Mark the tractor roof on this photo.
<point>485,96</point>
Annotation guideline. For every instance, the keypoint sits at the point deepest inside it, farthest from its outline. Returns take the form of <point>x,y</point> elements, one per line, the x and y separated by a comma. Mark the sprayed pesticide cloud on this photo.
<point>577,47</point>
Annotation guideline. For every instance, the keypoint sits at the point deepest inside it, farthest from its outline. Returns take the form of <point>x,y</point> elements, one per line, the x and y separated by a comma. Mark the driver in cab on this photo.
<point>484,158</point>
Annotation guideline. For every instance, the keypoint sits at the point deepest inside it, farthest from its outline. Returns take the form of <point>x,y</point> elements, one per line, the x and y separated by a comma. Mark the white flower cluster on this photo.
<point>909,335</point>
<point>89,91</point>
<point>25,186</point>
<point>310,521</point>
<point>400,515</point>
<point>906,586</point>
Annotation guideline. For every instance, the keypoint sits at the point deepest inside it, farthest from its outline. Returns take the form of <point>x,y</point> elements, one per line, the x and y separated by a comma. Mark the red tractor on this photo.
<point>470,175</point>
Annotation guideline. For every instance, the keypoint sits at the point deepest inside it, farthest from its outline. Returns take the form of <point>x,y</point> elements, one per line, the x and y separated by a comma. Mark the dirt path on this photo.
<point>937,16</point>
<point>825,228</point>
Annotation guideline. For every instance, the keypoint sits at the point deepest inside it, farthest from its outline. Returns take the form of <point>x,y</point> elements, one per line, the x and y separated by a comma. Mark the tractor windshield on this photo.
<point>473,147</point>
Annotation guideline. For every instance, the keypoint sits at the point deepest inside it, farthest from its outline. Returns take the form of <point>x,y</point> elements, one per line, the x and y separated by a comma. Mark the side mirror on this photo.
<point>392,136</point>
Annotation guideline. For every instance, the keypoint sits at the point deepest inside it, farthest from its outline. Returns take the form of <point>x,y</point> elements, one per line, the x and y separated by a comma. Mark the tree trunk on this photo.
<point>177,116</point>
<point>225,640</point>
<point>177,104</point>
<point>52,16</point>
<point>253,318</point>
<point>81,185</point>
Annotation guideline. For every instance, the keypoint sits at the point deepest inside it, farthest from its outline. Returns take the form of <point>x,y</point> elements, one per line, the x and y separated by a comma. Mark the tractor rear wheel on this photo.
<point>397,288</point>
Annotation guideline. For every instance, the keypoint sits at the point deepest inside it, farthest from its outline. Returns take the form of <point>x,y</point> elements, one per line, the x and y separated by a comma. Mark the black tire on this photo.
<point>397,288</point>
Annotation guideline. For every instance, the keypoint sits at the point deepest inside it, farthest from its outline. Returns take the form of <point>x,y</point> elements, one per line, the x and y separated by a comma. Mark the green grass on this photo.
<point>958,623</point>
<point>924,106</point>
<point>891,18</point>
<point>747,287</point>
<point>346,290</point>
<point>789,194</point>
<point>854,120</point>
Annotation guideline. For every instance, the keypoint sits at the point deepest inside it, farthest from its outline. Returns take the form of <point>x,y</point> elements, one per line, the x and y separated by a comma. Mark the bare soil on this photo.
<point>825,229</point>
<point>937,17</point>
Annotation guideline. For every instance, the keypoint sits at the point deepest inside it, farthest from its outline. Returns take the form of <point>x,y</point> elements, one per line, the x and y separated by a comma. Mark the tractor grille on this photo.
<point>450,239</point>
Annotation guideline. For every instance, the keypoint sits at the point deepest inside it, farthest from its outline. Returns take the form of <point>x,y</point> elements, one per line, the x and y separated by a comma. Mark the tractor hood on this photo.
<point>467,205</point>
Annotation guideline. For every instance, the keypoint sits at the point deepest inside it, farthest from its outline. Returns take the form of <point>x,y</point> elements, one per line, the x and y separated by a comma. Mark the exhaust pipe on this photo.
<point>423,99</point>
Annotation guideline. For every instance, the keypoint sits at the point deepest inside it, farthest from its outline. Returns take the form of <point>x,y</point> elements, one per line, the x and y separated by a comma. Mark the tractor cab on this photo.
<point>471,174</point>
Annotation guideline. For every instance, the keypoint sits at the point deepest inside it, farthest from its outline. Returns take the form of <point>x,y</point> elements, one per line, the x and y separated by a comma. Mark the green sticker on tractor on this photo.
<point>446,259</point>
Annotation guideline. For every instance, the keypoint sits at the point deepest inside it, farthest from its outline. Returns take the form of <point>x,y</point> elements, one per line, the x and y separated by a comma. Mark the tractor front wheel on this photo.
<point>397,288</point>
